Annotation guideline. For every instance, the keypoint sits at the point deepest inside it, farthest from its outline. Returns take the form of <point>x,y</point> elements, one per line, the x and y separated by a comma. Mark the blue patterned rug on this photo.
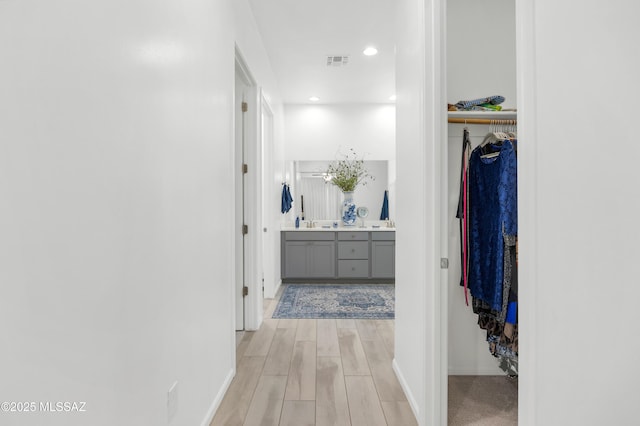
<point>360,301</point>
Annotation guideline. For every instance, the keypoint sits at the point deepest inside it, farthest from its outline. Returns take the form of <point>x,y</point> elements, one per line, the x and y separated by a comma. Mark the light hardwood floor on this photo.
<point>315,372</point>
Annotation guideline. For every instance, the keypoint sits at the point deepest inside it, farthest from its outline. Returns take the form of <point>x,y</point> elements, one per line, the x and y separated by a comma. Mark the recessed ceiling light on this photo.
<point>392,97</point>
<point>314,99</point>
<point>370,51</point>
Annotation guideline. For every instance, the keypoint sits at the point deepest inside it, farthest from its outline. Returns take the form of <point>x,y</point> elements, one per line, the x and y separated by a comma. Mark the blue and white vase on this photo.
<point>348,210</point>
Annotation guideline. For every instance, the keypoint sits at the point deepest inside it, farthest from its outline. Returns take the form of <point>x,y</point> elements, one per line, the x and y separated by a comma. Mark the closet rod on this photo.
<point>457,120</point>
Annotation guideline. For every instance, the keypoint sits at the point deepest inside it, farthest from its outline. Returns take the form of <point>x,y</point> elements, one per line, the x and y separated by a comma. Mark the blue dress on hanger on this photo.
<point>493,221</point>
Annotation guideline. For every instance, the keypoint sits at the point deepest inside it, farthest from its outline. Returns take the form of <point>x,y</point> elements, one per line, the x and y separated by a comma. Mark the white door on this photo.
<point>269,245</point>
<point>241,88</point>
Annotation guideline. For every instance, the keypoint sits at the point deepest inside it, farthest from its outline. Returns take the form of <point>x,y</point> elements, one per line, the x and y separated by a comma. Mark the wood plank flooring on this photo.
<point>323,372</point>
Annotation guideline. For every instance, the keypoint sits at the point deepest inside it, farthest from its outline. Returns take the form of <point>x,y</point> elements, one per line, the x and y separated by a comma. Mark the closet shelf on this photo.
<point>480,117</point>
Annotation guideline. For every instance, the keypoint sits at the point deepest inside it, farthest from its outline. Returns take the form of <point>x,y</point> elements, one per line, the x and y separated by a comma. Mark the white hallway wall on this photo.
<point>316,132</point>
<point>323,132</point>
<point>579,260</point>
<point>418,340</point>
<point>115,257</point>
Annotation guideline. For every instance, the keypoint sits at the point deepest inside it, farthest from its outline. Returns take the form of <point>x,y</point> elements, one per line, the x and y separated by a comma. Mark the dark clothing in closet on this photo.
<point>464,173</point>
<point>493,222</point>
<point>466,145</point>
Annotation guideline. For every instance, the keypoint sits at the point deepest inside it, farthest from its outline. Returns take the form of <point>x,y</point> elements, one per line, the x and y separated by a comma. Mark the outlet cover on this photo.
<point>172,401</point>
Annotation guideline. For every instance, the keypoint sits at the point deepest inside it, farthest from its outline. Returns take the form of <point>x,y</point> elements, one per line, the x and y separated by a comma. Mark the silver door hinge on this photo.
<point>245,107</point>
<point>444,263</point>
<point>245,291</point>
<point>245,229</point>
<point>245,168</point>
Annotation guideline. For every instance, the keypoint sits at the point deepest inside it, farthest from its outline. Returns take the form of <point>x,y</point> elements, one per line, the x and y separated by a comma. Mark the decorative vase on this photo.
<point>348,210</point>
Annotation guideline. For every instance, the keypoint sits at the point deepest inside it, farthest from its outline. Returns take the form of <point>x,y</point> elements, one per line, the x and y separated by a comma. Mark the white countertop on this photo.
<point>339,229</point>
<point>327,225</point>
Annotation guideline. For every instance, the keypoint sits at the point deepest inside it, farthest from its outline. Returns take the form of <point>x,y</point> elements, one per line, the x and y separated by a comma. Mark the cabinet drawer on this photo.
<point>353,250</point>
<point>309,236</point>
<point>383,236</point>
<point>353,236</point>
<point>353,268</point>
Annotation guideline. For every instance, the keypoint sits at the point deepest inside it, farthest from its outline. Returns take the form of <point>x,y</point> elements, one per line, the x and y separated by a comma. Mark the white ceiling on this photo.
<point>300,34</point>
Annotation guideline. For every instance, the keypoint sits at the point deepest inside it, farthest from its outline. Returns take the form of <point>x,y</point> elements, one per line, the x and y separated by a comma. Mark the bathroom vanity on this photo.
<point>338,255</point>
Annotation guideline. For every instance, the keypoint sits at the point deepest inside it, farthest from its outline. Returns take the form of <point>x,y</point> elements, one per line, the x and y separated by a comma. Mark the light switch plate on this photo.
<point>172,401</point>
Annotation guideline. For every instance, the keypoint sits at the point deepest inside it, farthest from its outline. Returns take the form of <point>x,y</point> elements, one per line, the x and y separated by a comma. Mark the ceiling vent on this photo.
<point>337,61</point>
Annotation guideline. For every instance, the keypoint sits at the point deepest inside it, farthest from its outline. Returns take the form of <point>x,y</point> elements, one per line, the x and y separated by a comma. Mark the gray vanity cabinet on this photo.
<point>383,254</point>
<point>309,255</point>
<point>334,256</point>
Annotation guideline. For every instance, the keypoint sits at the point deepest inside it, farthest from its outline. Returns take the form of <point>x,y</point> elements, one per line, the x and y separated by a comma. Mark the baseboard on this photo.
<point>278,285</point>
<point>218,399</point>
<point>407,391</point>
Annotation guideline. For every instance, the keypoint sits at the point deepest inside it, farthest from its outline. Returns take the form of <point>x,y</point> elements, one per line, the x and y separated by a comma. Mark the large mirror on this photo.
<point>321,200</point>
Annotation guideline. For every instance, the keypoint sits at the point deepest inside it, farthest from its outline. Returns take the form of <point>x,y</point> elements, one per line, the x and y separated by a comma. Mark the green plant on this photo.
<point>346,174</point>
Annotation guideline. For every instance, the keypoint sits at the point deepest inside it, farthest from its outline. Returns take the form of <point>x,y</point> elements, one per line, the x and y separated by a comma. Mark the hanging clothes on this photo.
<point>487,209</point>
<point>493,222</point>
<point>462,212</point>
<point>492,239</point>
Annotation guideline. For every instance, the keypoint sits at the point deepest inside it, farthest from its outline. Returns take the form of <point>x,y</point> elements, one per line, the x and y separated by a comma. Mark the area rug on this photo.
<point>359,301</point>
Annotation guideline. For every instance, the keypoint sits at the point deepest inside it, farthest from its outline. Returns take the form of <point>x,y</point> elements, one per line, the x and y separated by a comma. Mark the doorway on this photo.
<point>248,178</point>
<point>476,379</point>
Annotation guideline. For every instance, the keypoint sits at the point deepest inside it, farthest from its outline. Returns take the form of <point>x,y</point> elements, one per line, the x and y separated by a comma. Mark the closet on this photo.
<point>481,63</point>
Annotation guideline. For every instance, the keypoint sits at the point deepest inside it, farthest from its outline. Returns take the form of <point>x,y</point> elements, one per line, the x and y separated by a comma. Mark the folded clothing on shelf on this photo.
<point>481,102</point>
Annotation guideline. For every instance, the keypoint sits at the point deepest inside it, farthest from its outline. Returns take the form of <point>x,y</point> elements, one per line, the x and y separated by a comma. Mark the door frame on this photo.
<point>253,203</point>
<point>527,207</point>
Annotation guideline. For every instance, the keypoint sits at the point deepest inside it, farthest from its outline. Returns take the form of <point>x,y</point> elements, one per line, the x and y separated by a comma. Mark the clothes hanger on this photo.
<point>513,130</point>
<point>491,155</point>
<point>500,132</point>
<point>495,136</point>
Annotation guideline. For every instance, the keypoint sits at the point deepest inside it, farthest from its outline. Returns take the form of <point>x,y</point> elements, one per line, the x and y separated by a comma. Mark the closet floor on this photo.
<point>483,401</point>
<point>302,372</point>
